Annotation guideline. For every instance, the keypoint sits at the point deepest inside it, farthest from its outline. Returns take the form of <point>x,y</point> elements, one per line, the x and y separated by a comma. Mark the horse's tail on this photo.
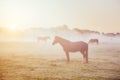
<point>97,41</point>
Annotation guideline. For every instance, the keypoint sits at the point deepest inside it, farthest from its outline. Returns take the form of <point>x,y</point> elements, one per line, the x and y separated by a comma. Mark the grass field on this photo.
<point>42,61</point>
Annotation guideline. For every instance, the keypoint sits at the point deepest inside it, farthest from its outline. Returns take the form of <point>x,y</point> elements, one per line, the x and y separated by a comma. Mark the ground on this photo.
<point>42,61</point>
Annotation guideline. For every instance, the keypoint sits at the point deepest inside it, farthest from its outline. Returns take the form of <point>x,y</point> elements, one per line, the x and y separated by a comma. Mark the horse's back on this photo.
<point>43,38</point>
<point>81,44</point>
<point>93,40</point>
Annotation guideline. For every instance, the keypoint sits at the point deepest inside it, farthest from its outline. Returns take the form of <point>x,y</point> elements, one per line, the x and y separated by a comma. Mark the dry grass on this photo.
<point>32,61</point>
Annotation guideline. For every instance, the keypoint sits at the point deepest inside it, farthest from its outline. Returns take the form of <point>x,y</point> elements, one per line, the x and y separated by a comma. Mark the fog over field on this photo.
<point>31,34</point>
<point>23,57</point>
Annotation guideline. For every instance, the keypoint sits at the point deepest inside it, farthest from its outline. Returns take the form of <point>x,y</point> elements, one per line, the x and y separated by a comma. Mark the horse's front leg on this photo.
<point>67,55</point>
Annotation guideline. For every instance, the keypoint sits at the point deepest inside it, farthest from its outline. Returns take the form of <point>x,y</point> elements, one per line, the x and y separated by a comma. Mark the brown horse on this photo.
<point>69,46</point>
<point>43,38</point>
<point>94,41</point>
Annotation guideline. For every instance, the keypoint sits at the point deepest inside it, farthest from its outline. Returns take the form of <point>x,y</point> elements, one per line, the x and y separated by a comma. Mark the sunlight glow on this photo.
<point>13,27</point>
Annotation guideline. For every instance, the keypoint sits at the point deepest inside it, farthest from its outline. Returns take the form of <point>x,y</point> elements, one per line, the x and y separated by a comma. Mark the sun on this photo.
<point>13,27</point>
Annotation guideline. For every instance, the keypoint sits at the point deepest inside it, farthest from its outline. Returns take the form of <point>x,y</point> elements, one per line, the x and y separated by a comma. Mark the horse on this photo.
<point>94,41</point>
<point>69,46</point>
<point>43,38</point>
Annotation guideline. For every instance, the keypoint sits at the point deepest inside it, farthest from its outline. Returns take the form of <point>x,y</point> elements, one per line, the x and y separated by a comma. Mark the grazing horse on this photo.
<point>43,38</point>
<point>94,41</point>
<point>69,46</point>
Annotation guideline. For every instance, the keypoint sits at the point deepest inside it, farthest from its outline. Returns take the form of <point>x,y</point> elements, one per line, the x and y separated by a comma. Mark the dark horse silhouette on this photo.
<point>94,41</point>
<point>69,46</point>
<point>43,38</point>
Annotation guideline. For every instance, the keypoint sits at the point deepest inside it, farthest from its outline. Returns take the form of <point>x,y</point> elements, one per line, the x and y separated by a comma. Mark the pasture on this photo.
<point>42,61</point>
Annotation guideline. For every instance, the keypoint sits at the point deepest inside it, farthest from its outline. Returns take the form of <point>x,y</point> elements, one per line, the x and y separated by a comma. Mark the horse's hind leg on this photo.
<point>86,56</point>
<point>67,55</point>
<point>97,42</point>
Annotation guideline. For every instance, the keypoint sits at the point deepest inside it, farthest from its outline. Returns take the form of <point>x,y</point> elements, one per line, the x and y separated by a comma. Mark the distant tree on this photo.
<point>65,26</point>
<point>118,34</point>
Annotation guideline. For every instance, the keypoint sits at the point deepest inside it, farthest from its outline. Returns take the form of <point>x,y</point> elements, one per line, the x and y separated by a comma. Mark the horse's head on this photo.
<point>55,40</point>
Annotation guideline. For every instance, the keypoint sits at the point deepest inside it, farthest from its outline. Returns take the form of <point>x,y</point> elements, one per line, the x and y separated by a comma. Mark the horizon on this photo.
<point>96,15</point>
<point>13,29</point>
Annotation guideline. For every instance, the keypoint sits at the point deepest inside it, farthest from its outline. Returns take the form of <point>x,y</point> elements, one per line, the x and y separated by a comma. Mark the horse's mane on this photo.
<point>60,38</point>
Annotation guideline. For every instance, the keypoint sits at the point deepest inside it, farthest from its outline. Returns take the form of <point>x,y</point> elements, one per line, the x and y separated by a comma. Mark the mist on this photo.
<point>31,34</point>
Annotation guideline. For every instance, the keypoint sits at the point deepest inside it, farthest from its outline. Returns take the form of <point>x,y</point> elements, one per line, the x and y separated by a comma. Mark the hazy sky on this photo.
<point>100,15</point>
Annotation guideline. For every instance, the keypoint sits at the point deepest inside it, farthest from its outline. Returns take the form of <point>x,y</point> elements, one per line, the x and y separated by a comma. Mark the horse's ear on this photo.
<point>56,37</point>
